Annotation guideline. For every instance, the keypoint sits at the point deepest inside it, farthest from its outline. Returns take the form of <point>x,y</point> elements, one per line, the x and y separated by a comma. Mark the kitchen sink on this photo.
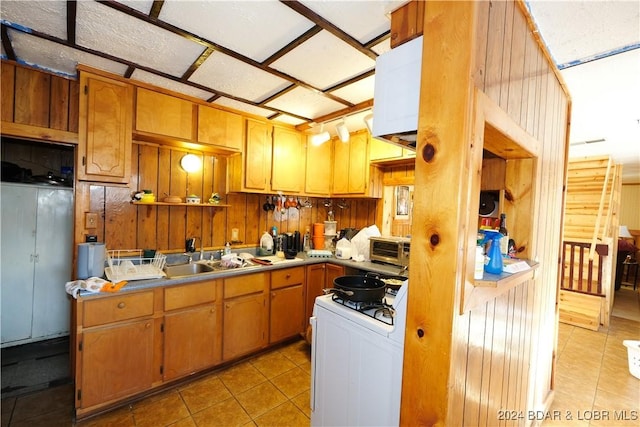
<point>182,270</point>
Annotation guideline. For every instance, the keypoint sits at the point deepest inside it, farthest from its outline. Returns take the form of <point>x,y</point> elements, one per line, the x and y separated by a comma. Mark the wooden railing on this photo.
<point>578,269</point>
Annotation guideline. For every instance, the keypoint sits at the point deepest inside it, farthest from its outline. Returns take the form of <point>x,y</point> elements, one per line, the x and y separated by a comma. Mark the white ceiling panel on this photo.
<point>229,75</point>
<point>255,29</point>
<point>357,92</point>
<point>48,17</point>
<point>242,106</point>
<point>323,61</point>
<point>60,59</point>
<point>305,103</point>
<point>606,108</point>
<point>284,118</point>
<point>362,20</point>
<point>169,84</point>
<point>143,6</point>
<point>575,30</point>
<point>382,47</point>
<point>104,29</point>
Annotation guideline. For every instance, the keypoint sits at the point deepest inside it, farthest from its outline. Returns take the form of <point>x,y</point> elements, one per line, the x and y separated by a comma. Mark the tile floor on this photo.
<point>272,389</point>
<point>593,379</point>
<point>269,390</point>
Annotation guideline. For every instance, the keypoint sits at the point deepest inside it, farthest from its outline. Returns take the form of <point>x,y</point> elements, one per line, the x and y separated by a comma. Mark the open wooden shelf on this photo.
<point>504,280</point>
<point>194,205</point>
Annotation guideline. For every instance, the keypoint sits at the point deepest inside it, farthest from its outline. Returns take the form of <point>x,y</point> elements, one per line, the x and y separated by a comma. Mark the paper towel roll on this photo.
<point>90,262</point>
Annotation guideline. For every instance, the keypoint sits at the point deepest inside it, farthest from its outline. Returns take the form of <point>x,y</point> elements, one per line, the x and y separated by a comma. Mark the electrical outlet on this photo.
<point>90,220</point>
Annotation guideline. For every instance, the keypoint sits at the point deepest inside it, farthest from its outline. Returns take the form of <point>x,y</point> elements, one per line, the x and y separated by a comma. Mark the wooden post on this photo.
<point>439,230</point>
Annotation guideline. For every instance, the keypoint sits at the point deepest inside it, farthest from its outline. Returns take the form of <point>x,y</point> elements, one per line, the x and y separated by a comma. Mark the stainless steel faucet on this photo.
<point>403,270</point>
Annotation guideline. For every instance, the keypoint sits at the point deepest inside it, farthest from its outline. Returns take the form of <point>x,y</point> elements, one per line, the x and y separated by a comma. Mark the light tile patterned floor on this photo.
<point>593,384</point>
<point>269,390</point>
<point>272,389</point>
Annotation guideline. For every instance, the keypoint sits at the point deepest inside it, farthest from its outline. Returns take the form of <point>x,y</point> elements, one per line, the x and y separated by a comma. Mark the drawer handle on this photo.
<point>288,276</point>
<point>121,305</point>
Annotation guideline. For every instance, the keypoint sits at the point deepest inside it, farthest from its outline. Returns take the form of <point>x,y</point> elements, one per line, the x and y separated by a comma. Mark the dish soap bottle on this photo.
<point>266,243</point>
<point>306,240</point>
<point>227,248</point>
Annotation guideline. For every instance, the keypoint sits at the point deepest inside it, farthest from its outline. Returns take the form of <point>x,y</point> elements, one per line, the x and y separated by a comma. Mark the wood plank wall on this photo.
<point>35,98</point>
<point>502,353</point>
<point>125,226</point>
<point>511,339</point>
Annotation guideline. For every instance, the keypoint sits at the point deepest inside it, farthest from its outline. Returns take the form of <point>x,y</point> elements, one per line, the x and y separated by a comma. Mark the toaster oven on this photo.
<point>390,250</point>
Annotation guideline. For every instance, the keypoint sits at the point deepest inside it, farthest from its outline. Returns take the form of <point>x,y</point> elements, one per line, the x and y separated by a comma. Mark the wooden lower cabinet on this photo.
<point>193,336</point>
<point>244,325</point>
<point>117,361</point>
<point>287,304</point>
<point>319,277</point>
<point>245,314</point>
<point>129,343</point>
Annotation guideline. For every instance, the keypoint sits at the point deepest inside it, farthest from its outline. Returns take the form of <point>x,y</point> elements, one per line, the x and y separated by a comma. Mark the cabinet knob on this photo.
<point>147,325</point>
<point>121,305</point>
<point>288,276</point>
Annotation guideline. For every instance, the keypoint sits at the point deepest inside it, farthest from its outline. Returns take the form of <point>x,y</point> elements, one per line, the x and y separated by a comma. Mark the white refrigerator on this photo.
<point>35,262</point>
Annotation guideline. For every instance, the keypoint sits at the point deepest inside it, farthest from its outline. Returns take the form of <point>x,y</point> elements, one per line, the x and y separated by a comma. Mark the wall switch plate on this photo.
<point>90,220</point>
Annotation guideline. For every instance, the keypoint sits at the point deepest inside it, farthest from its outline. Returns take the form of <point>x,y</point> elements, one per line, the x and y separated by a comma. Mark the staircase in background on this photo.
<point>590,241</point>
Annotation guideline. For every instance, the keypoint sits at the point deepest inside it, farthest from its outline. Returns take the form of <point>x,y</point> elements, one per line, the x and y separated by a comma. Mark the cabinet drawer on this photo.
<point>117,308</point>
<point>287,277</point>
<point>189,295</point>
<point>245,285</point>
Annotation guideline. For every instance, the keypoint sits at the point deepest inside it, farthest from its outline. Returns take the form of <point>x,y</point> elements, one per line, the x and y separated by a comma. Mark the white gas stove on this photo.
<point>356,360</point>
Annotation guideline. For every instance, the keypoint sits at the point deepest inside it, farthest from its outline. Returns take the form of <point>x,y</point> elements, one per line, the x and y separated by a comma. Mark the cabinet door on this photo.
<point>315,285</point>
<point>105,130</point>
<point>163,114</point>
<point>52,267</point>
<point>351,160</point>
<point>332,272</point>
<point>257,161</point>
<point>245,324</point>
<point>319,169</point>
<point>288,164</point>
<point>341,167</point>
<point>358,163</point>
<point>220,127</point>
<point>19,207</point>
<point>381,150</point>
<point>117,361</point>
<point>190,338</point>
<point>287,313</point>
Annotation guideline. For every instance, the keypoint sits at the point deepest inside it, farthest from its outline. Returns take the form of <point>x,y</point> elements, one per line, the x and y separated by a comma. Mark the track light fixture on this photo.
<point>343,131</point>
<point>320,137</point>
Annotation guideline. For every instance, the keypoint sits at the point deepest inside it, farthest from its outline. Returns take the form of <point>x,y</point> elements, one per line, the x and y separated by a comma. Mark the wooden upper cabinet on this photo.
<point>163,114</point>
<point>381,151</point>
<point>318,170</point>
<point>104,137</point>
<point>351,171</point>
<point>406,23</point>
<point>251,170</point>
<point>220,127</point>
<point>287,172</point>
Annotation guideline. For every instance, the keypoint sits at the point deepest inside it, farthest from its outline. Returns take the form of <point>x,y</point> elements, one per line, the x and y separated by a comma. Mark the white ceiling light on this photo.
<point>191,163</point>
<point>320,137</point>
<point>343,132</point>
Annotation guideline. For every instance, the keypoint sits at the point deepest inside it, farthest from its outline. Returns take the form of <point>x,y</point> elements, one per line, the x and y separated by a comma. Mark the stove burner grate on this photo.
<point>378,310</point>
